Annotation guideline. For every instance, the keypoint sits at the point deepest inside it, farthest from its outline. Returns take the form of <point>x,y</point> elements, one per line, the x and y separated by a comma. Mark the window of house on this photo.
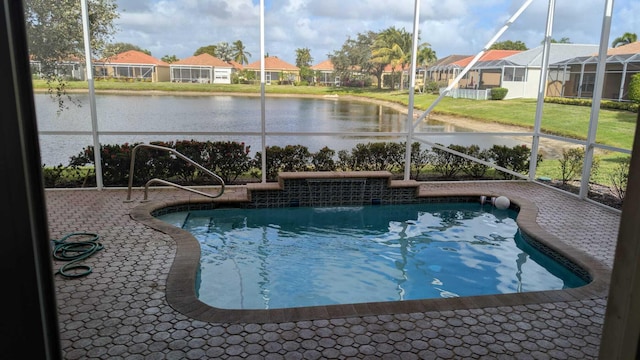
<point>588,80</point>
<point>515,74</point>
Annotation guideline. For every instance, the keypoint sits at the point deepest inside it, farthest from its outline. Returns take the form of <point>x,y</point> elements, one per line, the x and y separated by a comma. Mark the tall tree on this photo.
<point>240,54</point>
<point>209,49</point>
<point>303,57</point>
<point>393,47</point>
<point>55,32</point>
<point>353,60</point>
<point>509,45</point>
<point>626,38</point>
<point>426,55</point>
<point>117,48</point>
<point>224,51</point>
<point>304,61</point>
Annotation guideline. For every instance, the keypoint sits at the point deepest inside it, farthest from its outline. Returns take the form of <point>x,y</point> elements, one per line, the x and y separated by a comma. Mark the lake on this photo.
<point>125,119</point>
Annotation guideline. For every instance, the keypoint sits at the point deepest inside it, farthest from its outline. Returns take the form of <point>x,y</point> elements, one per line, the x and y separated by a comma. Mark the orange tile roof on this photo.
<point>272,63</point>
<point>388,69</point>
<point>203,60</point>
<point>488,56</point>
<point>236,65</point>
<point>631,48</point>
<point>134,57</point>
<point>326,65</point>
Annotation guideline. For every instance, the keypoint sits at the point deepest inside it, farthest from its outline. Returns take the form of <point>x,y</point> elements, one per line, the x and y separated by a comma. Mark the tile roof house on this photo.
<point>276,70</point>
<point>203,68</point>
<point>621,62</point>
<point>325,73</point>
<point>134,65</point>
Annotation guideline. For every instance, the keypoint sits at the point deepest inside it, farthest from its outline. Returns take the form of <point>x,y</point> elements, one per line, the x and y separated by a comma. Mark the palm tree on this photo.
<point>625,39</point>
<point>240,55</point>
<point>392,46</point>
<point>426,55</point>
<point>303,57</point>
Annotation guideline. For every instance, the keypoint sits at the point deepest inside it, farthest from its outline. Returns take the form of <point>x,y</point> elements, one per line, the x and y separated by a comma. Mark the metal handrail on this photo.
<point>165,182</point>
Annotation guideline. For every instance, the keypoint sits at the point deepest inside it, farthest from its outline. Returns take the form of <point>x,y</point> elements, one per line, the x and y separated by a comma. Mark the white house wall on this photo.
<point>221,76</point>
<point>523,89</point>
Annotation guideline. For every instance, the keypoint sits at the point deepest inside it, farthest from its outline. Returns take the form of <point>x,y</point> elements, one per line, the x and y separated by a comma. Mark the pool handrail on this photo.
<point>169,183</point>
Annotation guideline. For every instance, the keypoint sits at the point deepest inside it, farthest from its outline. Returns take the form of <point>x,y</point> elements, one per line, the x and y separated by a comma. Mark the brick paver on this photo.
<point>120,310</point>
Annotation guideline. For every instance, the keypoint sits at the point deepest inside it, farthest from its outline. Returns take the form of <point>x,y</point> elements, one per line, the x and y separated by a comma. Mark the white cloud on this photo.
<point>179,27</point>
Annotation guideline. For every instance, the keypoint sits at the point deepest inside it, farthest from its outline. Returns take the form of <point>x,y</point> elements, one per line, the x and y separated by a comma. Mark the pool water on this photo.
<point>293,257</point>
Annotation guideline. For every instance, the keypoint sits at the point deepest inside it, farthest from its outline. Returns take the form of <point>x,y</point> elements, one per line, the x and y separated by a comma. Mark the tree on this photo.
<point>626,38</point>
<point>564,40</point>
<point>353,60</point>
<point>426,55</point>
<point>303,61</point>
<point>224,51</point>
<point>393,47</point>
<point>240,55</point>
<point>55,32</point>
<point>303,57</point>
<point>508,45</point>
<point>209,49</point>
<point>634,88</point>
<point>169,59</point>
<point>117,48</point>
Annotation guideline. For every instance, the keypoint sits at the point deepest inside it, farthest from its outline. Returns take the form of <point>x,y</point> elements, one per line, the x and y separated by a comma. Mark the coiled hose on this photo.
<point>74,252</point>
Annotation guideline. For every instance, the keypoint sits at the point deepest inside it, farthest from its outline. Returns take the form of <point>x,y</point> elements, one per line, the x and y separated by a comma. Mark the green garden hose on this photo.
<point>74,252</point>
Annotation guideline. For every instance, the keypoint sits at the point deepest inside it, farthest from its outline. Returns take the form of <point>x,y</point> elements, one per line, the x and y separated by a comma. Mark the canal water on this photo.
<point>160,115</point>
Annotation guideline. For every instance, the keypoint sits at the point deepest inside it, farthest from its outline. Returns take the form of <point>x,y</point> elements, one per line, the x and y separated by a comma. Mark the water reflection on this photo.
<point>232,114</point>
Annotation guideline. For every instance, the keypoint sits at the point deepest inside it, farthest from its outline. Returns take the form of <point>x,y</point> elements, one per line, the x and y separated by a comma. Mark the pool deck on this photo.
<point>121,310</point>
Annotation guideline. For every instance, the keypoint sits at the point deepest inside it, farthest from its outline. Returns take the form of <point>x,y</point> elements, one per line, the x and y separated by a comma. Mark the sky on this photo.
<point>451,27</point>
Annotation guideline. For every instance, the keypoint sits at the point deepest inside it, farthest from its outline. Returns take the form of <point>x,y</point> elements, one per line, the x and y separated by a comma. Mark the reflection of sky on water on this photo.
<point>227,113</point>
<point>304,256</point>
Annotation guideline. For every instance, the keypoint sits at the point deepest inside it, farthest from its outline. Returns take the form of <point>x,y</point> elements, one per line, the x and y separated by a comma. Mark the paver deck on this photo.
<point>120,309</point>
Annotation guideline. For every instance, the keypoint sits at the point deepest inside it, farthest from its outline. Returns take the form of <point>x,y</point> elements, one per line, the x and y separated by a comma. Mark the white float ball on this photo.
<point>502,202</point>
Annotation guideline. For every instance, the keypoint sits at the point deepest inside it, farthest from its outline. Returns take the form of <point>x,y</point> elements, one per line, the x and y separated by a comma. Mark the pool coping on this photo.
<point>181,280</point>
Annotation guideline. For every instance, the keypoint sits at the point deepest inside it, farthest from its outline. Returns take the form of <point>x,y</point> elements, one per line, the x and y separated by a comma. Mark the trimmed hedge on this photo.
<point>604,104</point>
<point>498,93</point>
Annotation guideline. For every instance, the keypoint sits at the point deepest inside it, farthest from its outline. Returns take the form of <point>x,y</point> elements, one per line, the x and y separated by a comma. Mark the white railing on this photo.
<point>468,94</point>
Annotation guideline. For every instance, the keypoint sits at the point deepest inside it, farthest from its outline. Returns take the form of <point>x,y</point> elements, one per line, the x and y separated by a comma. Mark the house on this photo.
<point>276,70</point>
<point>441,71</point>
<point>70,68</point>
<point>203,68</point>
<point>621,63</point>
<point>325,73</point>
<point>134,65</point>
<point>521,72</point>
<point>486,73</point>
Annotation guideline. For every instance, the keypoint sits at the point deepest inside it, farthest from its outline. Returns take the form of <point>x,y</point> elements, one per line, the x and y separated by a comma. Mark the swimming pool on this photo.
<point>304,256</point>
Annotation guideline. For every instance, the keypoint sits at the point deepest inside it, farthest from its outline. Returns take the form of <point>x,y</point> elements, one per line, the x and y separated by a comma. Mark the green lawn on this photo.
<point>615,128</point>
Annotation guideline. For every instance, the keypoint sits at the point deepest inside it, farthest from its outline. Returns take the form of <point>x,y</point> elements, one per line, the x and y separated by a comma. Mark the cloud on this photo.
<point>180,27</point>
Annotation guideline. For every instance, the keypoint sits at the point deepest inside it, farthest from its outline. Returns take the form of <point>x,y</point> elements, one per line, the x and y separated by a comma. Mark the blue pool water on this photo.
<point>293,257</point>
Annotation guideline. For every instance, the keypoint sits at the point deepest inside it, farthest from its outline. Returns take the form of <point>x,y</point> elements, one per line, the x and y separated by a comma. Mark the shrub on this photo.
<point>375,156</point>
<point>619,178</point>
<point>323,160</point>
<point>498,93</point>
<point>571,163</point>
<point>419,159</point>
<point>515,158</point>
<point>446,163</point>
<point>289,158</point>
<point>228,159</point>
<point>634,89</point>
<point>604,104</point>
<point>472,168</point>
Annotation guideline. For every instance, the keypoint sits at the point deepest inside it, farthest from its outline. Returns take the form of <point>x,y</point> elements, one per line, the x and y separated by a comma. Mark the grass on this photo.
<point>615,128</point>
